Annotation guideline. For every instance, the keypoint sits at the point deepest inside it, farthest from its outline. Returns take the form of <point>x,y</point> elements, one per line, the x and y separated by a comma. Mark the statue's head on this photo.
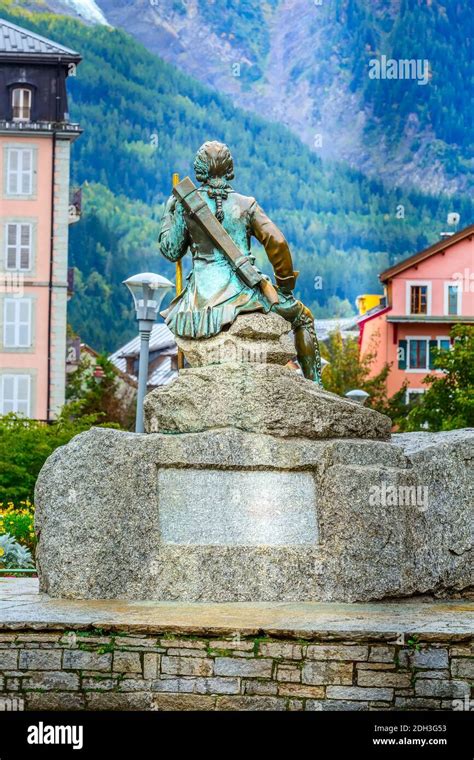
<point>213,160</point>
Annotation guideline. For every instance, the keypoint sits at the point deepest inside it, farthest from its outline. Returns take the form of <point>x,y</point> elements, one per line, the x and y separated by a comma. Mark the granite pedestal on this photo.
<point>252,484</point>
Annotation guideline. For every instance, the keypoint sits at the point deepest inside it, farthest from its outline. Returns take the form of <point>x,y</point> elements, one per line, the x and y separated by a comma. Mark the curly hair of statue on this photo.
<point>214,166</point>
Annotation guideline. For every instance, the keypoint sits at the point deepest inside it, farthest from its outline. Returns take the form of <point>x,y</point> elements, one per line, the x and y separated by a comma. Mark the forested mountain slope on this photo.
<point>306,63</point>
<point>143,119</point>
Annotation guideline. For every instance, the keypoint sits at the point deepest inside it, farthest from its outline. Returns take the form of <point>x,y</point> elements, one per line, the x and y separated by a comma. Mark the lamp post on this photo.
<point>148,291</point>
<point>360,397</point>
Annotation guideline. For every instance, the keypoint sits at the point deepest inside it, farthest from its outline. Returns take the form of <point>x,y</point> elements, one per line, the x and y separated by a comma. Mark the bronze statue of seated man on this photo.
<point>220,287</point>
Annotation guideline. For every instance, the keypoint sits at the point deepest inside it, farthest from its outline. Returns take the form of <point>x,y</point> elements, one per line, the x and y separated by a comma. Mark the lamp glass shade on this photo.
<point>357,395</point>
<point>148,290</point>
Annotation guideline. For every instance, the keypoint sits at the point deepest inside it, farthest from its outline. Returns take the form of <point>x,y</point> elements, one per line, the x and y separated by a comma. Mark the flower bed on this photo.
<point>17,535</point>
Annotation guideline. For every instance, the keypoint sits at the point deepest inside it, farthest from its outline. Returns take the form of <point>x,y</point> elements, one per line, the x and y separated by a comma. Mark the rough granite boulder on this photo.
<point>253,484</point>
<point>254,338</point>
<point>227,515</point>
<point>257,398</point>
<point>238,383</point>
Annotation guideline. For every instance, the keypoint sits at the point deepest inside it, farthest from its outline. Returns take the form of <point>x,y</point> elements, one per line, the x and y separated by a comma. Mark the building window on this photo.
<point>453,292</point>
<point>21,104</point>
<point>19,171</point>
<point>17,323</point>
<point>452,299</point>
<point>15,391</point>
<point>18,238</point>
<point>413,395</point>
<point>418,354</point>
<point>444,344</point>
<point>419,299</point>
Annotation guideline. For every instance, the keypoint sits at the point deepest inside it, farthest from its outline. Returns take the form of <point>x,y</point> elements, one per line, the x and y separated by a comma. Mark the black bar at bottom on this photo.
<point>118,734</point>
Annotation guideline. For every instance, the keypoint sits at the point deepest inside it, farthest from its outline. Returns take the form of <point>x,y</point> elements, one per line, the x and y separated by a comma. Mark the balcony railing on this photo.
<point>38,126</point>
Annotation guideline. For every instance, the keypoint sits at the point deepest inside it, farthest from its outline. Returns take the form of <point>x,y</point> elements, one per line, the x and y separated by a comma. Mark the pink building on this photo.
<point>35,212</point>
<point>425,295</point>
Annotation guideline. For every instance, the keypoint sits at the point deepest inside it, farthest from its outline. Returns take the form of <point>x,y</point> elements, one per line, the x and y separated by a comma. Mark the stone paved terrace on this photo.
<point>22,606</point>
<point>70,654</point>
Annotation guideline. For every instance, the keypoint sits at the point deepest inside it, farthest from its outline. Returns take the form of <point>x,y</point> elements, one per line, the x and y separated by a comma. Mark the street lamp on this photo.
<point>360,397</point>
<point>148,291</point>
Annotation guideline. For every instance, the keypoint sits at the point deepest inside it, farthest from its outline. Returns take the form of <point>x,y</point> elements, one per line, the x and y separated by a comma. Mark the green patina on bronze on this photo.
<point>215,293</point>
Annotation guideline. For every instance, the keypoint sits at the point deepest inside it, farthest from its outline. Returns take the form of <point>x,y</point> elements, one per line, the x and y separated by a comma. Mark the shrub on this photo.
<point>13,554</point>
<point>448,403</point>
<point>19,523</point>
<point>25,445</point>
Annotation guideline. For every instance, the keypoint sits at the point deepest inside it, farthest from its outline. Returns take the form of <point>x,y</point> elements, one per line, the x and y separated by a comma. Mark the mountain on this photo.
<point>306,64</point>
<point>86,10</point>
<point>144,119</point>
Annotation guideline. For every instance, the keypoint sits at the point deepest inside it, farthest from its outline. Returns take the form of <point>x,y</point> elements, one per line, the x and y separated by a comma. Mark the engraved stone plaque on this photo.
<point>237,508</point>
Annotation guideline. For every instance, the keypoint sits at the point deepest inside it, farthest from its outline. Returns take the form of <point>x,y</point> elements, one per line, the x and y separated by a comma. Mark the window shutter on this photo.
<point>9,314</point>
<point>12,179</point>
<point>17,323</point>
<point>24,319</point>
<point>26,172</point>
<point>8,391</point>
<point>402,354</point>
<point>433,345</point>
<point>18,246</point>
<point>23,394</point>
<point>11,236</point>
<point>20,171</point>
<point>15,394</point>
<point>25,246</point>
<point>8,387</point>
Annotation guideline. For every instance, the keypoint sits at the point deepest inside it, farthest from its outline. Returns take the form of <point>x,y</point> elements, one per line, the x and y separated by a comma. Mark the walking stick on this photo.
<point>179,280</point>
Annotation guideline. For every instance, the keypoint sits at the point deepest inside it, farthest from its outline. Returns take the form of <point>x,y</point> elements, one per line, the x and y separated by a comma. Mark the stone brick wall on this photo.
<point>73,670</point>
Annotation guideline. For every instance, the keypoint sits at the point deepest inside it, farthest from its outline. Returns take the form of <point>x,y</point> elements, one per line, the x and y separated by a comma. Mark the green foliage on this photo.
<point>433,31</point>
<point>99,395</point>
<point>348,371</point>
<point>396,406</point>
<point>344,371</point>
<point>143,120</point>
<point>413,643</point>
<point>13,554</point>
<point>351,33</point>
<point>115,238</point>
<point>448,403</point>
<point>25,445</point>
<point>244,22</point>
<point>18,521</point>
<point>335,307</point>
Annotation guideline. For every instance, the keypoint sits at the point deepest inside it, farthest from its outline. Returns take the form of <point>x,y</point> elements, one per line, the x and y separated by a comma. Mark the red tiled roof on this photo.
<point>441,245</point>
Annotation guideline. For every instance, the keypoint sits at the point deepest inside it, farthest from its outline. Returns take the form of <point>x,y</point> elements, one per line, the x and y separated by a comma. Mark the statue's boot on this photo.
<point>306,341</point>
